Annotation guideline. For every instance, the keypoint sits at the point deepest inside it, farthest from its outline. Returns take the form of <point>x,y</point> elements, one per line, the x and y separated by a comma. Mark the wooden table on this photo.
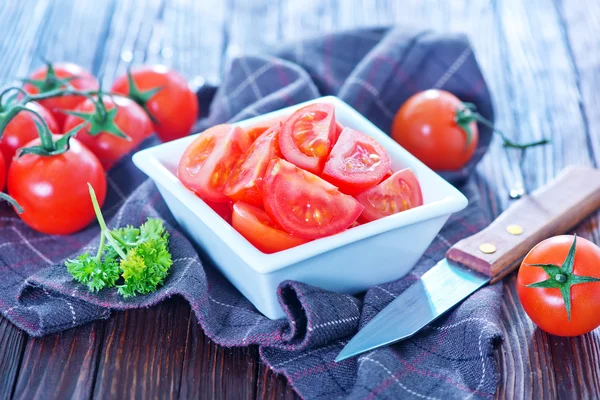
<point>541,59</point>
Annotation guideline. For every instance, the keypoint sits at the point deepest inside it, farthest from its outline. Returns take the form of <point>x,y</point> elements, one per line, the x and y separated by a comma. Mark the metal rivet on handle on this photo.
<point>514,229</point>
<point>487,248</point>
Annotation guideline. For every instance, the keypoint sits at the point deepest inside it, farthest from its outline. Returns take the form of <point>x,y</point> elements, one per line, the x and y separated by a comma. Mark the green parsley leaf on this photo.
<point>85,269</point>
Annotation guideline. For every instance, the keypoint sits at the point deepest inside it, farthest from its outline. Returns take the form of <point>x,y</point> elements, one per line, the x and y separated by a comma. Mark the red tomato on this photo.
<point>255,225</point>
<point>246,179</point>
<point>223,209</point>
<point>387,175</point>
<point>53,190</point>
<point>425,126</point>
<point>255,130</point>
<point>130,118</point>
<point>546,306</point>
<point>2,172</point>
<point>83,81</point>
<point>174,108</point>
<point>207,163</point>
<point>307,136</point>
<point>356,162</point>
<point>22,130</point>
<point>304,204</point>
<point>400,192</point>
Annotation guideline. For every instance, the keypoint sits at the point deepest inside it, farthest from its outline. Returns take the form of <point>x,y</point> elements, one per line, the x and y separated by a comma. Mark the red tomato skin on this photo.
<point>546,307</point>
<point>2,172</point>
<point>425,126</point>
<point>223,209</point>
<point>257,129</point>
<point>258,228</point>
<point>130,118</point>
<point>284,182</point>
<point>22,130</point>
<point>291,151</point>
<point>246,181</point>
<point>402,185</point>
<point>175,107</point>
<point>53,190</point>
<point>355,181</point>
<point>227,144</point>
<point>84,81</point>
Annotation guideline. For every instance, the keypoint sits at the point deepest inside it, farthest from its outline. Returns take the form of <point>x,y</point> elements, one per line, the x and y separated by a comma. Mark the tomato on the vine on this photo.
<point>304,204</point>
<point>165,95</point>
<point>117,128</point>
<point>258,228</point>
<point>55,76</point>
<point>559,285</point>
<point>52,189</point>
<point>426,125</point>
<point>22,130</point>
<point>356,162</point>
<point>208,161</point>
<point>399,192</point>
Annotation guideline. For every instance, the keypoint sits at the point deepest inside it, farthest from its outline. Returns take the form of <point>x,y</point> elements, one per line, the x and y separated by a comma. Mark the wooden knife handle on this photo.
<point>550,210</point>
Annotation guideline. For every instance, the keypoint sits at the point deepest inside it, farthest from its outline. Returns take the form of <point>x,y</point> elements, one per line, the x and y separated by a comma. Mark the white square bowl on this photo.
<point>349,262</point>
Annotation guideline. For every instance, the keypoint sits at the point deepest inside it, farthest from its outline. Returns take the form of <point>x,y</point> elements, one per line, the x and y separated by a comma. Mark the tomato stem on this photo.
<point>103,228</point>
<point>13,202</point>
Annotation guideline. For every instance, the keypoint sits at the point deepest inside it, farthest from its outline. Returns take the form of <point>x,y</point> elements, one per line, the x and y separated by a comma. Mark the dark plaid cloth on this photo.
<point>375,71</point>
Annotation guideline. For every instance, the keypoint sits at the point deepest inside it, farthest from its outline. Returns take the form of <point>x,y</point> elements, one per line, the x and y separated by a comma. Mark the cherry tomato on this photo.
<point>255,225</point>
<point>304,204</point>
<point>208,161</point>
<point>246,179</point>
<point>546,306</point>
<point>255,130</point>
<point>22,130</point>
<point>400,192</point>
<point>82,80</point>
<point>53,190</point>
<point>356,162</point>
<point>307,136</point>
<point>174,109</point>
<point>2,172</point>
<point>425,126</point>
<point>129,118</point>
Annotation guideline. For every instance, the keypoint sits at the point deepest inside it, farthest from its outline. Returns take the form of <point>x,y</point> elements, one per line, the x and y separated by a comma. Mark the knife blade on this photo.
<point>483,258</point>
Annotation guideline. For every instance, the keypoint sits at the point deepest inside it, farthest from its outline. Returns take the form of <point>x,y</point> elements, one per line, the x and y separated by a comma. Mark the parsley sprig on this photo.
<point>140,256</point>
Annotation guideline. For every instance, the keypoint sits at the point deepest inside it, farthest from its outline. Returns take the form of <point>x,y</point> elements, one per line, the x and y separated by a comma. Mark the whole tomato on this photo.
<point>559,285</point>
<point>2,172</point>
<point>22,130</point>
<point>426,126</point>
<point>53,190</point>
<point>49,77</point>
<point>104,137</point>
<point>165,95</point>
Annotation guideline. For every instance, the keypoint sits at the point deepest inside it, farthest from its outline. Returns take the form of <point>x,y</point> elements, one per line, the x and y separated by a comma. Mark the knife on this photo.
<point>483,258</point>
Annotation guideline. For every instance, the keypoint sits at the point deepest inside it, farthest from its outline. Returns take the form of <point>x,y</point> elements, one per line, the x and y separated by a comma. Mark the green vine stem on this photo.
<point>13,202</point>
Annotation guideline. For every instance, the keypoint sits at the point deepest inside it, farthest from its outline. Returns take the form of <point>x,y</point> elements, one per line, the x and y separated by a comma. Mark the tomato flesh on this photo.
<point>208,161</point>
<point>304,204</point>
<point>246,179</point>
<point>53,190</point>
<point>257,227</point>
<point>22,130</point>
<point>307,136</point>
<point>400,192</point>
<point>257,129</point>
<point>545,306</point>
<point>356,163</point>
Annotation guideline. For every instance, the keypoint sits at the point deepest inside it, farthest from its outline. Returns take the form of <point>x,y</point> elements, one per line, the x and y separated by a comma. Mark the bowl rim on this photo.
<point>147,161</point>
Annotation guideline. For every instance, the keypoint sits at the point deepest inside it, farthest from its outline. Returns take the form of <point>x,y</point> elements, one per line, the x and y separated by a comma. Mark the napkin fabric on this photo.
<point>375,71</point>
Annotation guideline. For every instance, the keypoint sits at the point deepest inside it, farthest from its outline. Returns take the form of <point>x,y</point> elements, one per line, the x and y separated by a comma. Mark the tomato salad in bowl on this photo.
<point>302,178</point>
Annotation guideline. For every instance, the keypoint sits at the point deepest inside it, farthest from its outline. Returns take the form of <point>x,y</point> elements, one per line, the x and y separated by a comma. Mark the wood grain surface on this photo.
<point>541,59</point>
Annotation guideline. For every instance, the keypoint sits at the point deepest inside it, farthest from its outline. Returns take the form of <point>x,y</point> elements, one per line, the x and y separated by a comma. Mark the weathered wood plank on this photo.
<point>143,352</point>
<point>61,366</point>
<point>12,346</point>
<point>270,386</point>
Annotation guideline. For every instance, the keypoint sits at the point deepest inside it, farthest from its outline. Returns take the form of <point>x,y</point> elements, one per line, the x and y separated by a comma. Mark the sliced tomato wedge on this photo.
<point>223,209</point>
<point>387,175</point>
<point>356,163</point>
<point>257,227</point>
<point>254,131</point>
<point>304,204</point>
<point>207,162</point>
<point>400,192</point>
<point>246,179</point>
<point>308,135</point>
